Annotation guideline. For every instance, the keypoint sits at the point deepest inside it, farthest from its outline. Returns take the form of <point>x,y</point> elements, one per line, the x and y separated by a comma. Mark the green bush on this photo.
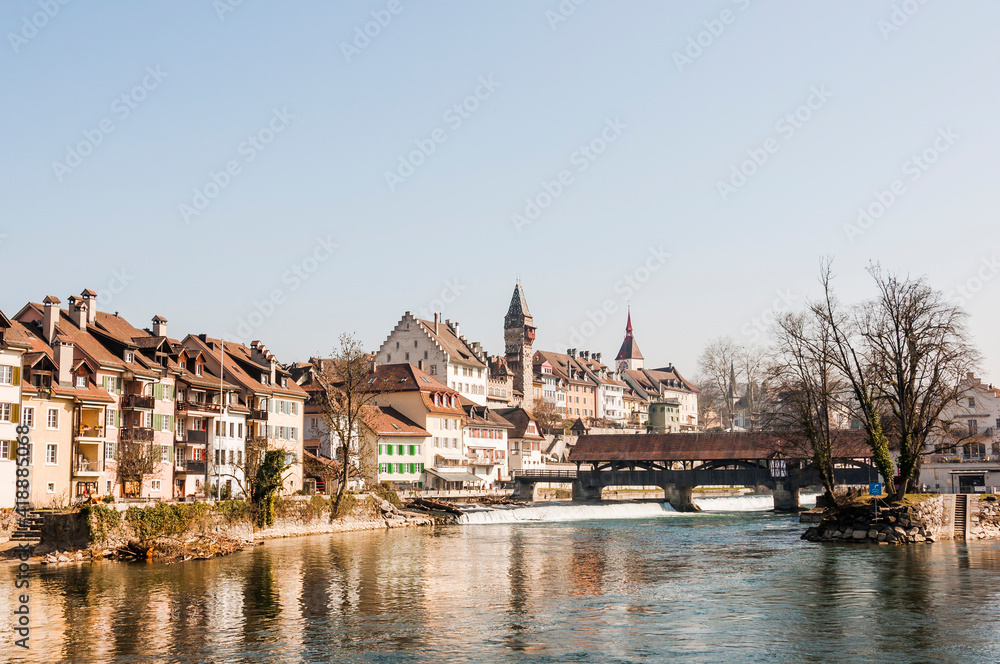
<point>383,491</point>
<point>166,519</point>
<point>346,507</point>
<point>100,519</point>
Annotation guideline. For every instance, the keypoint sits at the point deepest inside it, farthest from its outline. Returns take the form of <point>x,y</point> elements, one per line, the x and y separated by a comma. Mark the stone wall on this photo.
<point>927,521</point>
<point>984,517</point>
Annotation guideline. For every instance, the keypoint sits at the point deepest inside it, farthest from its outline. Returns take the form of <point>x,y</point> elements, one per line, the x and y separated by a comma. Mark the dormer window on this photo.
<point>284,381</point>
<point>129,357</point>
<point>263,379</point>
<point>197,369</point>
<point>81,381</point>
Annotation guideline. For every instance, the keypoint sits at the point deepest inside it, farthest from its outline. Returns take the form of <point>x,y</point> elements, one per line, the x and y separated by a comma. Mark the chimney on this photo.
<point>51,317</point>
<point>597,357</point>
<point>585,354</point>
<point>159,326</point>
<point>78,312</point>
<point>571,352</point>
<point>90,298</point>
<point>437,318</point>
<point>64,358</point>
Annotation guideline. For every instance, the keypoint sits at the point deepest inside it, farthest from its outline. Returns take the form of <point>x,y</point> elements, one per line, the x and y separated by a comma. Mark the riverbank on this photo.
<point>196,531</point>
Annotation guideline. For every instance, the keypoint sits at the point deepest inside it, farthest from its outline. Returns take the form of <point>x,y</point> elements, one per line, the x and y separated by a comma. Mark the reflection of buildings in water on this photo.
<point>290,582</point>
<point>588,569</point>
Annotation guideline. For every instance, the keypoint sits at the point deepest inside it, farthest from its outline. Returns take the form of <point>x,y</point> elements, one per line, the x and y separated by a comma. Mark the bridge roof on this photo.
<point>848,444</point>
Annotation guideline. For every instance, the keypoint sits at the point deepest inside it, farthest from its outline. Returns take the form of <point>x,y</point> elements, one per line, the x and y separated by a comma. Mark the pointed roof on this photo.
<point>518,304</point>
<point>629,349</point>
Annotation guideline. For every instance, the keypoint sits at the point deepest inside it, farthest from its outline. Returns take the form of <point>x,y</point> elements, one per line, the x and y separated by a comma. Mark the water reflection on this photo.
<point>708,588</point>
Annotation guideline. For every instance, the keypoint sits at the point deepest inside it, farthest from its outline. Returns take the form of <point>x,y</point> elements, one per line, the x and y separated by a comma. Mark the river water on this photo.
<point>644,584</point>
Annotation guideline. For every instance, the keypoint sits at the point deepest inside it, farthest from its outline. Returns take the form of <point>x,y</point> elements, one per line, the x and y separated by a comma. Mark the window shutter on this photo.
<point>170,453</point>
<point>16,380</point>
<point>157,421</point>
<point>118,385</point>
<point>157,391</point>
<point>15,413</point>
<point>171,422</point>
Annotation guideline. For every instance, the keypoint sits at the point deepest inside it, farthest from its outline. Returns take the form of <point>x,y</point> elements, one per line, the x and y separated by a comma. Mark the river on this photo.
<point>725,586</point>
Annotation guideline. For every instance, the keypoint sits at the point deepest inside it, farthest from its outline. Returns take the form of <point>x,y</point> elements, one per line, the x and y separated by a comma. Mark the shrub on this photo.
<point>346,507</point>
<point>100,519</point>
<point>383,491</point>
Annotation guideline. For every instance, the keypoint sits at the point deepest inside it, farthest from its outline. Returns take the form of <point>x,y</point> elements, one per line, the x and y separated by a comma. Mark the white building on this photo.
<point>11,351</point>
<point>439,349</point>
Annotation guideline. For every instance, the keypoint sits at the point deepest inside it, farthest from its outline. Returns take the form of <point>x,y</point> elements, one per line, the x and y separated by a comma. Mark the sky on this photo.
<point>293,171</point>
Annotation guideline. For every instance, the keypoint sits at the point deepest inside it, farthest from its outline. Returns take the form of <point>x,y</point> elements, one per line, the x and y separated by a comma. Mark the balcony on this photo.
<point>137,402</point>
<point>191,466</point>
<point>258,414</point>
<point>485,461</point>
<point>86,431</point>
<point>197,406</point>
<point>87,467</point>
<point>137,435</point>
<point>193,436</point>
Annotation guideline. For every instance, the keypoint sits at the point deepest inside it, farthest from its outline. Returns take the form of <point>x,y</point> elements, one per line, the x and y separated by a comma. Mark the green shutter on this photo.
<point>421,467</point>
<point>118,385</point>
<point>380,449</point>
<point>171,454</point>
<point>157,391</point>
<point>173,423</point>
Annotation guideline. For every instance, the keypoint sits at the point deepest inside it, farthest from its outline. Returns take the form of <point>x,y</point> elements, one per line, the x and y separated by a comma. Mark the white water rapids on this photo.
<point>549,512</point>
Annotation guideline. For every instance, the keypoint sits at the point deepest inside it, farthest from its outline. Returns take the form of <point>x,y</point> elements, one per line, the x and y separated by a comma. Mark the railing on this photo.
<point>258,414</point>
<point>201,406</point>
<point>137,401</point>
<point>87,467</point>
<point>485,461</point>
<point>566,474</point>
<point>192,436</point>
<point>90,432</point>
<point>195,466</point>
<point>137,435</point>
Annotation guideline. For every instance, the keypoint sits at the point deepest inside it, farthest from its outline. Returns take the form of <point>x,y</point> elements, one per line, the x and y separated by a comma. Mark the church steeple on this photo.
<point>629,356</point>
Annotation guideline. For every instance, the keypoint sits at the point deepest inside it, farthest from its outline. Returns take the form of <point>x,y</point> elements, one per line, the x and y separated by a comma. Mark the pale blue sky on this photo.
<point>552,88</point>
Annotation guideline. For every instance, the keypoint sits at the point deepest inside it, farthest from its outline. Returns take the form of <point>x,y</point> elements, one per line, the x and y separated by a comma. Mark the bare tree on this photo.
<point>347,390</point>
<point>136,461</point>
<point>904,355</point>
<point>722,366</point>
<point>810,385</point>
<point>547,415</point>
<point>716,365</point>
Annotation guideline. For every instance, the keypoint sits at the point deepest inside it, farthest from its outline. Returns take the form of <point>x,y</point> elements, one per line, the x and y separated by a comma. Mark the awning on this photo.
<point>456,476</point>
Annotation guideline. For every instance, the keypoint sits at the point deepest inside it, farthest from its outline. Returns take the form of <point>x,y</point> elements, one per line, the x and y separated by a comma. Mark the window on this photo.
<point>239,430</point>
<point>4,449</point>
<point>53,419</point>
<point>50,487</point>
<point>109,451</point>
<point>973,427</point>
<point>51,454</point>
<point>6,412</point>
<point>6,375</point>
<point>154,485</point>
<point>197,370</point>
<point>28,417</point>
<point>110,417</point>
<point>434,370</point>
<point>232,429</point>
<point>216,457</point>
<point>232,457</point>
<point>239,457</point>
<point>972,402</point>
<point>31,454</point>
<point>128,357</point>
<point>81,381</point>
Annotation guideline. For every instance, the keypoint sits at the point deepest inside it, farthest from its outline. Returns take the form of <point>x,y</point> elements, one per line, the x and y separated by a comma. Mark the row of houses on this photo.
<point>117,410</point>
<point>112,409</point>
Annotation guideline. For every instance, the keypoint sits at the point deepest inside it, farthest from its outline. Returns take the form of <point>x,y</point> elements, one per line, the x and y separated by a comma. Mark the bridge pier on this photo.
<point>582,491</point>
<point>524,491</point>
<point>681,498</point>
<point>786,497</point>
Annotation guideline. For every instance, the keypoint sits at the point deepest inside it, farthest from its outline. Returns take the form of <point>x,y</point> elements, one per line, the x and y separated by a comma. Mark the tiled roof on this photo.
<point>457,349</point>
<point>519,419</point>
<point>389,422</point>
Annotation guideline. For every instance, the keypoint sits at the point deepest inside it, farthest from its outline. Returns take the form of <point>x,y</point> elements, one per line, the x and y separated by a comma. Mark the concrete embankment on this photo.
<point>176,532</point>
